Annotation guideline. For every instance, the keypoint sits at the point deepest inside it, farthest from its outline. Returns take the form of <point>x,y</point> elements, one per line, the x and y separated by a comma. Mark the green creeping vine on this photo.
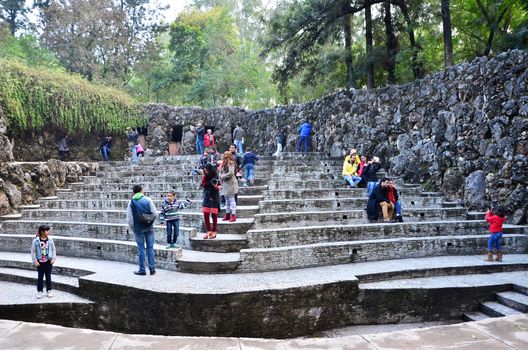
<point>33,98</point>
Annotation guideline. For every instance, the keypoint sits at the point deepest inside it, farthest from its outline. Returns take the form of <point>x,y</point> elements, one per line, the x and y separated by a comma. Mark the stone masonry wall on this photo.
<point>463,131</point>
<point>23,183</point>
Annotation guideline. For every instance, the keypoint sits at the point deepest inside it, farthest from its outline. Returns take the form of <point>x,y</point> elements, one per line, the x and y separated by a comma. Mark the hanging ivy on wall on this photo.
<point>36,98</point>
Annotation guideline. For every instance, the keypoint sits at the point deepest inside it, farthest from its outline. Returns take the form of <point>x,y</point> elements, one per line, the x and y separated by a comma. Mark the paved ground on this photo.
<point>506,333</point>
<point>177,282</point>
<point>16,294</point>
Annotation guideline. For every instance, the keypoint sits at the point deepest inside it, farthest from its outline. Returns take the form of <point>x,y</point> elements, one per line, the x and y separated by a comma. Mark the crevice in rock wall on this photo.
<point>462,131</point>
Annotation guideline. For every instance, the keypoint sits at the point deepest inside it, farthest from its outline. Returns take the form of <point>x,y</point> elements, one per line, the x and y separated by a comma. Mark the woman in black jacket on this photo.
<point>370,174</point>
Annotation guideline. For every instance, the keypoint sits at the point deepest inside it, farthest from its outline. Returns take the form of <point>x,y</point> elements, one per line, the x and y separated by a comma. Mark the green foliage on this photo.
<point>33,98</point>
<point>27,49</point>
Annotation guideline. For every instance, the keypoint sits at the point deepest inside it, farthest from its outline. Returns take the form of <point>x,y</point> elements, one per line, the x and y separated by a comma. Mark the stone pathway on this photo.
<point>17,294</point>
<point>506,333</point>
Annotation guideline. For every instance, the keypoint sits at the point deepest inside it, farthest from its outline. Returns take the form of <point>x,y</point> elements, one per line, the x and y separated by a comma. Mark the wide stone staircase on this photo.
<point>299,228</point>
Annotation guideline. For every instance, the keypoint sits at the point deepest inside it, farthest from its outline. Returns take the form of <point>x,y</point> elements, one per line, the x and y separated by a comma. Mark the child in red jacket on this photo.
<point>496,218</point>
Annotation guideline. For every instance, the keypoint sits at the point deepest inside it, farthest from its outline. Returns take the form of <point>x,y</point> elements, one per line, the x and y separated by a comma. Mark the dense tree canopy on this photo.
<point>256,53</point>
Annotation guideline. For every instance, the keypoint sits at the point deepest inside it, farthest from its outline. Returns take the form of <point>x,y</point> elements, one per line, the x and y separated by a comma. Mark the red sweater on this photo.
<point>495,222</point>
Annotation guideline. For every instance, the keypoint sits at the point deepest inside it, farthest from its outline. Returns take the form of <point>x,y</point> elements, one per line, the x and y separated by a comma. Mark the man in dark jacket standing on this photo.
<point>238,139</point>
<point>138,205</point>
<point>379,198</point>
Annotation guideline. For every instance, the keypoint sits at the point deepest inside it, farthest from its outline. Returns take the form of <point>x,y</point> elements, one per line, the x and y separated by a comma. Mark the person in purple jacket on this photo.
<point>304,136</point>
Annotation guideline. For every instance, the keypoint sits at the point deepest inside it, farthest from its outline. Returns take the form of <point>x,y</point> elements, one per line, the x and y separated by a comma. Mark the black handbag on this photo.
<point>145,219</point>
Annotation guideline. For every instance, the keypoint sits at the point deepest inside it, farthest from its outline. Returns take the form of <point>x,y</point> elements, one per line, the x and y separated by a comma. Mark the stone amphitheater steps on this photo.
<point>152,187</point>
<point>120,231</point>
<point>114,216</point>
<point>173,179</point>
<point>514,300</point>
<point>496,309</point>
<point>121,204</point>
<point>337,193</point>
<point>223,243</point>
<point>280,237</point>
<point>346,217</point>
<point>60,282</point>
<point>352,203</point>
<point>333,253</point>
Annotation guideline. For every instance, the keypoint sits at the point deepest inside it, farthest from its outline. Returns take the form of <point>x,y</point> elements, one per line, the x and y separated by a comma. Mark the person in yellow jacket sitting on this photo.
<point>350,168</point>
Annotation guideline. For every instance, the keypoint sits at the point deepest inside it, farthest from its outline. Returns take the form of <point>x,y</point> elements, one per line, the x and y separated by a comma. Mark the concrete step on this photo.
<point>60,282</point>
<point>121,204</point>
<point>281,237</point>
<point>474,316</point>
<point>495,309</point>
<point>208,262</point>
<point>520,289</point>
<point>517,301</point>
<point>310,204</point>
<point>154,187</point>
<point>223,243</point>
<point>91,180</point>
<point>187,192</point>
<point>121,231</point>
<point>103,249</point>
<point>301,193</point>
<point>113,216</point>
<point>332,253</point>
<point>161,173</point>
<point>345,217</point>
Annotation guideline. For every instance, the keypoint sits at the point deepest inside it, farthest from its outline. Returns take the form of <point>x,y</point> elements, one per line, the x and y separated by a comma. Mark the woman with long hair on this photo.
<point>211,199</point>
<point>229,185</point>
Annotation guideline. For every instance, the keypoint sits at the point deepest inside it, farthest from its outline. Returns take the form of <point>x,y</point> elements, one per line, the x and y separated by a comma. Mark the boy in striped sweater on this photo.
<point>171,215</point>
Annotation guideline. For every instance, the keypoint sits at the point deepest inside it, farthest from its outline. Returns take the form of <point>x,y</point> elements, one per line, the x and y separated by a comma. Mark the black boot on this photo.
<point>399,218</point>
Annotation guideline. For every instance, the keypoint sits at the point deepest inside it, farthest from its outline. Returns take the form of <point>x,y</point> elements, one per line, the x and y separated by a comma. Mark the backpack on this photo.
<point>145,219</point>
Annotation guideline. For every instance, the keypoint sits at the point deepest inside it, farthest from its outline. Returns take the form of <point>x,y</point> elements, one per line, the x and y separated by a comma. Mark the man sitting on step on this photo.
<point>379,198</point>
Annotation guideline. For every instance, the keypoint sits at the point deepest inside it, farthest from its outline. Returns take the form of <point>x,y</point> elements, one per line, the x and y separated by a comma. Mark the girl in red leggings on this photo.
<point>211,199</point>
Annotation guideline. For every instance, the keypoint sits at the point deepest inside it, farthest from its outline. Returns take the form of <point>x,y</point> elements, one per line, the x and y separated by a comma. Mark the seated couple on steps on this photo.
<point>385,197</point>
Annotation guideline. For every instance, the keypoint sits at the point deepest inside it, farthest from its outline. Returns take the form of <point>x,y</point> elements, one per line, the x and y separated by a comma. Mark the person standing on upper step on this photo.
<point>229,186</point>
<point>106,148</point>
<point>141,214</point>
<point>379,199</point>
<point>43,255</point>
<point>200,133</point>
<point>496,218</point>
<point>304,136</point>
<point>64,150</point>
<point>370,174</point>
<point>170,213</point>
<point>249,161</point>
<point>238,139</point>
<point>280,143</point>
<point>350,169</point>
<point>209,139</point>
<point>211,199</point>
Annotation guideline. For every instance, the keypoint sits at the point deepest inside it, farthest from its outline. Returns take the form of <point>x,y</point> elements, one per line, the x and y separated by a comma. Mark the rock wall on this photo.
<point>462,131</point>
<point>23,183</point>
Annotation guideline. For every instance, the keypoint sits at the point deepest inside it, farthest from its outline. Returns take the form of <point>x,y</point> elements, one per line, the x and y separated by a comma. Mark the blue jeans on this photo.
<point>239,146</point>
<point>249,175</point>
<point>134,155</point>
<point>105,152</point>
<point>200,148</point>
<point>303,140</point>
<point>173,229</point>
<point>495,240</point>
<point>398,208</point>
<point>44,269</point>
<point>147,236</point>
<point>352,180</point>
<point>370,187</point>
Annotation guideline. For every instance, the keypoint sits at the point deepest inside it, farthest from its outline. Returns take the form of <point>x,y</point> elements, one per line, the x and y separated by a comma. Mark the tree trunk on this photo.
<point>391,45</point>
<point>417,67</point>
<point>448,42</point>
<point>368,38</point>
<point>347,29</point>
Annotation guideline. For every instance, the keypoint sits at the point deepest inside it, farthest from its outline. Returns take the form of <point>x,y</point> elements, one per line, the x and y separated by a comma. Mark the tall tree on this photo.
<point>14,13</point>
<point>347,31</point>
<point>391,44</point>
<point>100,39</point>
<point>368,47</point>
<point>448,40</point>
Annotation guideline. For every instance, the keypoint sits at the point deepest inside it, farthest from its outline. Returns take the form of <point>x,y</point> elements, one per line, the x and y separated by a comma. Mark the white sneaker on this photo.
<point>40,295</point>
<point>50,294</point>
